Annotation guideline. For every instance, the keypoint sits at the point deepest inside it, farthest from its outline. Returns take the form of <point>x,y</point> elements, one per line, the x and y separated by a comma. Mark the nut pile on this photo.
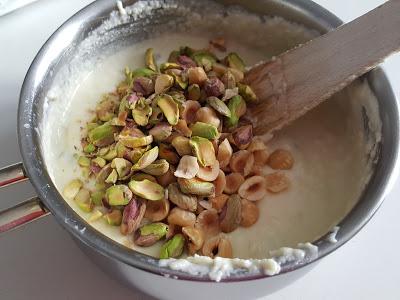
<point>173,157</point>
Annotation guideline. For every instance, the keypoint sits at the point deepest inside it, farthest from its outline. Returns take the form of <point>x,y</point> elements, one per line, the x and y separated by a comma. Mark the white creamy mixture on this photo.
<point>328,144</point>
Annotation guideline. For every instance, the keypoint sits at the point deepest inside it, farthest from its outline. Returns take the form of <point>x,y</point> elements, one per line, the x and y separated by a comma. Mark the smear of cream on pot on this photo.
<point>330,170</point>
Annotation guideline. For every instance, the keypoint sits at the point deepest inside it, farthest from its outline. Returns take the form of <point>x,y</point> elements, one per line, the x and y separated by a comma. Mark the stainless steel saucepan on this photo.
<point>129,266</point>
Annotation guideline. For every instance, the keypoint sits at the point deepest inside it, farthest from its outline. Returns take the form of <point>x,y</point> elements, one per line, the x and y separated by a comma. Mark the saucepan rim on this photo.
<point>29,142</point>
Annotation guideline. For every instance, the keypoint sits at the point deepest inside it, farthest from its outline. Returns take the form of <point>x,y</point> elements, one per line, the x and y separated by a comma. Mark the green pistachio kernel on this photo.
<point>147,189</point>
<point>204,130</point>
<point>173,247</point>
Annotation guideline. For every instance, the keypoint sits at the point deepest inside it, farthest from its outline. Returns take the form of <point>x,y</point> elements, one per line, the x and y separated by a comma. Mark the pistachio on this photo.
<point>122,166</point>
<point>280,159</point>
<point>132,216</point>
<point>197,76</point>
<point>167,152</point>
<point>118,195</point>
<point>105,110</point>
<point>165,179</point>
<point>276,182</point>
<point>185,50</point>
<point>230,93</point>
<point>187,168</point>
<point>131,130</point>
<point>84,161</point>
<point>194,92</point>
<point>96,215</point>
<point>219,202</point>
<point>250,213</point>
<point>242,161</point>
<point>233,182</point>
<point>234,61</point>
<point>182,127</point>
<point>135,142</point>
<point>97,197</point>
<point>181,217</point>
<point>181,145</point>
<point>104,173</point>
<point>99,161</point>
<point>142,72</point>
<point>147,189</point>
<point>195,238</point>
<point>253,188</point>
<point>204,130</point>
<point>217,246</point>
<point>214,87</point>
<point>196,187</point>
<point>141,113</point>
<point>102,135</point>
<point>173,56</point>
<point>219,106</point>
<point>204,150</point>
<point>72,189</point>
<point>208,222</point>
<point>149,234</point>
<point>178,96</point>
<point>163,83</point>
<point>233,214</point>
<point>147,158</point>
<point>207,115</point>
<point>161,131</point>
<point>229,80</point>
<point>220,183</point>
<point>239,75</point>
<point>185,61</point>
<point>189,110</point>
<point>169,108</point>
<point>82,199</point>
<point>114,217</point>
<point>242,136</point>
<point>219,69</point>
<point>260,157</point>
<point>143,85</point>
<point>157,210</point>
<point>173,247</point>
<point>168,66</point>
<point>204,59</point>
<point>184,201</point>
<point>225,152</point>
<point>110,155</point>
<point>156,116</point>
<point>209,173</point>
<point>237,107</point>
<point>180,81</point>
<point>256,145</point>
<point>142,176</point>
<point>149,58</point>
<point>112,178</point>
<point>89,148</point>
<point>157,168</point>
<point>247,93</point>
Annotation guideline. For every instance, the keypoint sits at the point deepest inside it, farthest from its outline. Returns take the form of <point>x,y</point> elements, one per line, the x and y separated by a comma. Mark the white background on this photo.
<point>40,261</point>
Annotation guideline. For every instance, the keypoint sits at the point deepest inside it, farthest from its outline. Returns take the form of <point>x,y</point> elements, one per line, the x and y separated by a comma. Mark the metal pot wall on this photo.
<point>137,269</point>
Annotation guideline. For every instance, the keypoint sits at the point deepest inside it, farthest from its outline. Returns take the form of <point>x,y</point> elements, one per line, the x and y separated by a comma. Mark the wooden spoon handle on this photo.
<point>298,80</point>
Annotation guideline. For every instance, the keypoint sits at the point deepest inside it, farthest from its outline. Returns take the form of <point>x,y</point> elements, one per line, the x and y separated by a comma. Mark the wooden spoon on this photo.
<point>296,81</point>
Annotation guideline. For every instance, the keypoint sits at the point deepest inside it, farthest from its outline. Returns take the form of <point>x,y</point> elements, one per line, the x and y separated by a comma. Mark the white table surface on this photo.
<point>40,261</point>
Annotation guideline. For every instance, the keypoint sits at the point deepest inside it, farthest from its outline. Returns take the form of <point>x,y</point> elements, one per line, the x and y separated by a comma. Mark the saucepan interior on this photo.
<point>100,30</point>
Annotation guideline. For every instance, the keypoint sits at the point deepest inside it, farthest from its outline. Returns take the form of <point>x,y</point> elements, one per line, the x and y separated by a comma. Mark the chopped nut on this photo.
<point>214,87</point>
<point>219,106</point>
<point>118,195</point>
<point>204,130</point>
<point>242,136</point>
<point>220,183</point>
<point>83,200</point>
<point>102,135</point>
<point>224,153</point>
<point>173,247</point>
<point>142,176</point>
<point>181,217</point>
<point>204,150</point>
<point>237,107</point>
<point>157,168</point>
<point>169,108</point>
<point>207,115</point>
<point>208,173</point>
<point>187,168</point>
<point>217,246</point>
<point>181,145</point>
<point>189,110</point>
<point>143,85</point>
<point>260,157</point>
<point>197,76</point>
<point>147,189</point>
<point>280,160</point>
<point>234,61</point>
<point>167,152</point>
<point>72,188</point>
<point>147,159</point>
<point>242,162</point>
<point>135,142</point>
<point>161,131</point>
<point>250,213</point>
<point>157,210</point>
<point>184,201</point>
<point>183,128</point>
<point>196,187</point>
<point>195,238</point>
<point>228,79</point>
<point>276,182</point>
<point>132,216</point>
<point>163,83</point>
<point>233,214</point>
<point>219,202</point>
<point>149,234</point>
<point>194,92</point>
<point>208,222</point>
<point>233,182</point>
<point>247,93</point>
<point>253,188</point>
<point>149,57</point>
<point>167,178</point>
<point>114,217</point>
